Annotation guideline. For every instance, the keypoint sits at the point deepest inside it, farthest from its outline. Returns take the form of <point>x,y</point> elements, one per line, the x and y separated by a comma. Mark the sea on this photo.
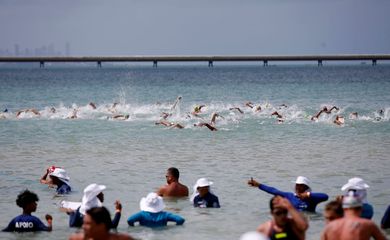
<point>130,156</point>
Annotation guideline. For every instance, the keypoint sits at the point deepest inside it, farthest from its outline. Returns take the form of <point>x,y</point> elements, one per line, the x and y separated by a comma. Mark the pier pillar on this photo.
<point>41,64</point>
<point>155,64</point>
<point>320,63</point>
<point>265,63</point>
<point>211,64</point>
<point>373,62</point>
<point>99,64</point>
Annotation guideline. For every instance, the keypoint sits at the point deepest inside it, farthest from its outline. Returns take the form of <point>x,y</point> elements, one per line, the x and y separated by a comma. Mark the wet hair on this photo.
<point>174,172</point>
<point>26,197</point>
<point>336,207</point>
<point>101,215</point>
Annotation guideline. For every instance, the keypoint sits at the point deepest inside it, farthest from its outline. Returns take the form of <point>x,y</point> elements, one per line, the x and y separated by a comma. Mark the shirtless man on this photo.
<point>352,226</point>
<point>278,116</point>
<point>256,108</point>
<point>173,188</point>
<point>323,110</point>
<point>169,124</point>
<point>339,120</point>
<point>33,110</point>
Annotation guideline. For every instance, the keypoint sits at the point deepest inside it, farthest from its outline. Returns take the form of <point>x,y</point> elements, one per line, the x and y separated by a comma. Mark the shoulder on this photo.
<point>77,236</point>
<point>265,228</point>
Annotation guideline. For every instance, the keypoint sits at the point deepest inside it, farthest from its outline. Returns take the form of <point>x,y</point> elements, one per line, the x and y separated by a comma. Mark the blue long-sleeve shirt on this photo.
<point>159,219</point>
<point>308,204</point>
<point>76,219</point>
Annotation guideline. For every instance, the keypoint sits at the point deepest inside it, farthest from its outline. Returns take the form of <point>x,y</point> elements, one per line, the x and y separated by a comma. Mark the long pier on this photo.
<point>265,59</point>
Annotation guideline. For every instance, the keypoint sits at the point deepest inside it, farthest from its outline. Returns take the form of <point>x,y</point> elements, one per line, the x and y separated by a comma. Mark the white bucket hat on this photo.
<point>152,203</point>
<point>355,184</point>
<point>201,182</point>
<point>90,199</point>
<point>302,180</point>
<point>60,174</point>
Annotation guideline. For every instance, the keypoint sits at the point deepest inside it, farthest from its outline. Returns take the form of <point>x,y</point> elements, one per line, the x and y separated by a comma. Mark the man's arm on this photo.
<point>134,218</point>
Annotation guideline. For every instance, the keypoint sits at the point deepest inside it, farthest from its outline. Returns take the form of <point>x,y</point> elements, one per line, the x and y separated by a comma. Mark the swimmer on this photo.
<point>278,116</point>
<point>197,110</point>
<point>74,114</point>
<point>113,107</point>
<point>339,120</point>
<point>92,105</point>
<point>165,115</point>
<point>214,117</point>
<point>256,108</point>
<point>121,117</point>
<point>169,124</point>
<point>236,108</point>
<point>176,102</point>
<point>203,124</point>
<point>323,110</point>
<point>52,110</point>
<point>33,110</point>
<point>353,115</point>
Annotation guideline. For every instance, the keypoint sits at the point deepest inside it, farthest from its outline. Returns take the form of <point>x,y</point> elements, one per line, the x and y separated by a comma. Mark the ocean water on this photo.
<point>131,156</point>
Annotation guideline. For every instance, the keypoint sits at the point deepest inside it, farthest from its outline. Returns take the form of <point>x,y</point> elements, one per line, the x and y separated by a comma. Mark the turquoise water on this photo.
<point>131,156</point>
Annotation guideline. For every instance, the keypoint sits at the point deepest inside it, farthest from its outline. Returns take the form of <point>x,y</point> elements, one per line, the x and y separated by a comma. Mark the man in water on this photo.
<point>339,120</point>
<point>173,188</point>
<point>303,199</point>
<point>352,226</point>
<point>26,222</point>
<point>282,226</point>
<point>323,110</point>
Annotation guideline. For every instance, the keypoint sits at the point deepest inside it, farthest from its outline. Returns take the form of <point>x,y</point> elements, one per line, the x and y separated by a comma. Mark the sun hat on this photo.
<point>352,201</point>
<point>355,183</point>
<point>60,174</point>
<point>152,203</point>
<point>201,182</point>
<point>90,199</point>
<point>302,180</point>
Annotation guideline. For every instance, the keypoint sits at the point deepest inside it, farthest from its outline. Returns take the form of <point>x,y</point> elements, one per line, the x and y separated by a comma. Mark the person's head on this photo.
<point>357,187</point>
<point>97,221</point>
<point>333,210</point>
<point>59,176</point>
<point>302,184</point>
<point>202,186</point>
<point>152,203</point>
<point>279,214</point>
<point>352,203</point>
<point>93,197</point>
<point>28,201</point>
<point>172,175</point>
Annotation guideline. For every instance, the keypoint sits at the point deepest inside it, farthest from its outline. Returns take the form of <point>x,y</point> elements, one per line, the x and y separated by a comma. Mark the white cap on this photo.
<point>302,180</point>
<point>356,184</point>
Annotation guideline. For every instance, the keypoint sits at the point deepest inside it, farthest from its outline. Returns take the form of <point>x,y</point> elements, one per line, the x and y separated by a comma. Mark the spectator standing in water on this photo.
<point>97,225</point>
<point>152,214</point>
<point>202,196</point>
<point>352,226</point>
<point>303,199</point>
<point>57,177</point>
<point>27,222</point>
<point>282,226</point>
<point>359,188</point>
<point>173,188</point>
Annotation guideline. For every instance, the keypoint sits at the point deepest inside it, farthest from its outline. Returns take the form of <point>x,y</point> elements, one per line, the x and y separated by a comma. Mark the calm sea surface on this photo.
<point>131,157</point>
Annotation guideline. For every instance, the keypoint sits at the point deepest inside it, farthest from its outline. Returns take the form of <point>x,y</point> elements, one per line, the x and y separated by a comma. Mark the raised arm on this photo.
<point>270,190</point>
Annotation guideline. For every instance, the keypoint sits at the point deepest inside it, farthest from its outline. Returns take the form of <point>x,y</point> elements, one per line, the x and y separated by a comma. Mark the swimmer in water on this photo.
<point>203,124</point>
<point>256,108</point>
<point>323,110</point>
<point>278,116</point>
<point>121,117</point>
<point>176,102</point>
<point>339,120</point>
<point>74,114</point>
<point>236,108</point>
<point>353,115</point>
<point>32,110</point>
<point>92,105</point>
<point>169,124</point>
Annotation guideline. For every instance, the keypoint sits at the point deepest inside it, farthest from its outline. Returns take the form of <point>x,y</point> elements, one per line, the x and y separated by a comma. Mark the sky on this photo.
<point>197,27</point>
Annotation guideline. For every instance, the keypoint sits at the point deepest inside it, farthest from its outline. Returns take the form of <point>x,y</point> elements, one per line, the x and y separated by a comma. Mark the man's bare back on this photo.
<point>174,189</point>
<point>352,228</point>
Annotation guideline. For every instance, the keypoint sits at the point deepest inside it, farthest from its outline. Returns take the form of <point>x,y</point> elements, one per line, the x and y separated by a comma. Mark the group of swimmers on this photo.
<point>347,217</point>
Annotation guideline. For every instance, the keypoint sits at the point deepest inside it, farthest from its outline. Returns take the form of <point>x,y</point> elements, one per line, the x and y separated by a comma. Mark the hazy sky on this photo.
<point>196,27</point>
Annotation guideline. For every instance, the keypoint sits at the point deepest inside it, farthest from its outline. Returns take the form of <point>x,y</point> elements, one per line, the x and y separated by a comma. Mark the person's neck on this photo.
<point>26,212</point>
<point>351,213</point>
<point>102,236</point>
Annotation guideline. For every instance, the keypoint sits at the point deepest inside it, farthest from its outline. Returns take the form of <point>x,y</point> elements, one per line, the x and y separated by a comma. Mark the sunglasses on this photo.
<point>280,212</point>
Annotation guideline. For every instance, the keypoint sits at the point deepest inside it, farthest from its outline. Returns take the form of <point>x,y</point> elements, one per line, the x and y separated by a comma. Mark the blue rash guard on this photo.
<point>385,222</point>
<point>208,201</point>
<point>63,189</point>
<point>308,204</point>
<point>159,219</point>
<point>76,219</point>
<point>367,211</point>
<point>26,223</point>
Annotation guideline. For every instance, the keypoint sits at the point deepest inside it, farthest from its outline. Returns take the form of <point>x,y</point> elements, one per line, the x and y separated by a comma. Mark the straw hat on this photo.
<point>152,203</point>
<point>355,183</point>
